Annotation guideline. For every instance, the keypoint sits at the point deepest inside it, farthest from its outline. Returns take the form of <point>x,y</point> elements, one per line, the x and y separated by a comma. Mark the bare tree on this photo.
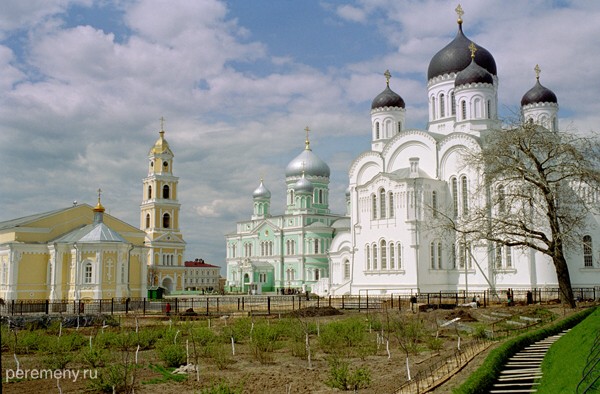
<point>538,190</point>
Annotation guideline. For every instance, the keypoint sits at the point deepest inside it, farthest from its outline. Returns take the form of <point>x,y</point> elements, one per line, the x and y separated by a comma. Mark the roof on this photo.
<point>199,264</point>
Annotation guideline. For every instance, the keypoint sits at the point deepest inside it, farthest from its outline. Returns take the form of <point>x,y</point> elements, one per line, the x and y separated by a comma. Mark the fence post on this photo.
<point>399,303</point>
<point>47,306</point>
<point>343,302</point>
<point>176,306</point>
<point>242,303</point>
<point>330,300</point>
<point>217,304</point>
<point>144,307</point>
<point>112,306</point>
<point>299,302</point>
<point>206,306</point>
<point>318,302</point>
<point>392,301</point>
<point>268,305</point>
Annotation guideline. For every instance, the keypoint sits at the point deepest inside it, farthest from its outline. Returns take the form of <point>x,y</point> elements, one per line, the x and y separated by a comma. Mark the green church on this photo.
<point>285,253</point>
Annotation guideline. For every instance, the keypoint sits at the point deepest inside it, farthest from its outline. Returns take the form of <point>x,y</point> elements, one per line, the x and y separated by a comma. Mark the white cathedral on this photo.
<point>385,243</point>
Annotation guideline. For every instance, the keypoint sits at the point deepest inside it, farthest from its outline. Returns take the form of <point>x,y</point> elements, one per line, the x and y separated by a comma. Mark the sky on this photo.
<point>84,83</point>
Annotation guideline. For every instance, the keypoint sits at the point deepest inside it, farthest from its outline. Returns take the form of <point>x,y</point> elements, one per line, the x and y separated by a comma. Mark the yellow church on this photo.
<point>81,252</point>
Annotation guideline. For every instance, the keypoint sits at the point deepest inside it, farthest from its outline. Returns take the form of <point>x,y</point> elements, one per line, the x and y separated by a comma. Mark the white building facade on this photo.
<point>388,243</point>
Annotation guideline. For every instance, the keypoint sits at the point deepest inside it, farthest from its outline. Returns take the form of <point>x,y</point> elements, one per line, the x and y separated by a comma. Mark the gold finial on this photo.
<point>460,13</point>
<point>387,77</point>
<point>473,49</point>
<point>307,142</point>
<point>537,70</point>
<point>99,207</point>
<point>162,123</point>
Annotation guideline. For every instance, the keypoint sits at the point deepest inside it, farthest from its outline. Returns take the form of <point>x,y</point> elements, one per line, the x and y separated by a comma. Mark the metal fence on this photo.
<point>273,304</point>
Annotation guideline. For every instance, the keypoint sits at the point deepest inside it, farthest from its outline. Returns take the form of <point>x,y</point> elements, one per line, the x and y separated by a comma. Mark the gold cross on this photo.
<point>537,70</point>
<point>307,142</point>
<point>162,123</point>
<point>473,49</point>
<point>460,13</point>
<point>99,193</point>
<point>387,76</point>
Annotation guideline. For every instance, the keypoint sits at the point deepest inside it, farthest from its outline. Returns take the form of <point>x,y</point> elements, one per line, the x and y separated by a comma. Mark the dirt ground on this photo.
<point>285,374</point>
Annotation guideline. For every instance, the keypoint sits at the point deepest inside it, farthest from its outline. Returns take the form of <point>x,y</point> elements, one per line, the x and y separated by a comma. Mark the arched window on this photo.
<point>374,256</point>
<point>316,246</point>
<point>374,206</point>
<point>346,269</point>
<point>587,251</point>
<point>399,127</point>
<point>433,112</point>
<point>452,103</point>
<point>439,255</point>
<point>376,130</point>
<point>166,220</point>
<point>489,109</point>
<point>442,105</point>
<point>149,192</point>
<point>508,252</point>
<point>382,204</point>
<point>87,272</point>
<point>392,257</point>
<point>291,197</point>
<point>399,255</point>
<point>498,256</point>
<point>317,274</point>
<point>368,256</point>
<point>383,255</point>
<point>148,220</point>
<point>463,110</point>
<point>166,191</point>
<point>320,196</point>
<point>434,204</point>
<point>477,109</point>
<point>454,184</point>
<point>465,195</point>
<point>391,202</point>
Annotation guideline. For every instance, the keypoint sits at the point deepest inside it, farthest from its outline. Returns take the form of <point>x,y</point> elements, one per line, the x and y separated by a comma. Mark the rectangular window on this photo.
<point>88,273</point>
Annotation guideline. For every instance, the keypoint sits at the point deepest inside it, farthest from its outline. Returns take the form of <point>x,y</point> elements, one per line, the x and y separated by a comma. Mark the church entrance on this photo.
<point>167,283</point>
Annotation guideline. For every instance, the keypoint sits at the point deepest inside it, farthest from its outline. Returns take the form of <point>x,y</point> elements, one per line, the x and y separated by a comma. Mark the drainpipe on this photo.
<point>129,269</point>
<point>77,263</point>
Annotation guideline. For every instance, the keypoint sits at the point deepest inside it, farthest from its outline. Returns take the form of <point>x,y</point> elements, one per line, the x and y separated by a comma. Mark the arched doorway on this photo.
<point>167,283</point>
<point>246,282</point>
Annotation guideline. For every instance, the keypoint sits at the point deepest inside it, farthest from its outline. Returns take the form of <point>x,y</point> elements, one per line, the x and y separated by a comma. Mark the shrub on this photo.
<point>172,354</point>
<point>340,376</point>
<point>264,341</point>
<point>342,334</point>
<point>112,379</point>
<point>95,357</point>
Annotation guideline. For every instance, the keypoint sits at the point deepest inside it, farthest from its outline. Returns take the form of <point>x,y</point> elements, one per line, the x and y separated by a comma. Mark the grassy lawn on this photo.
<point>564,362</point>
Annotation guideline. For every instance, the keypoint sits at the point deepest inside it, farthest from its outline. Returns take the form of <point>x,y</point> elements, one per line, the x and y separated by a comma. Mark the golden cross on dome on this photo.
<point>162,123</point>
<point>473,49</point>
<point>99,194</point>
<point>460,13</point>
<point>537,70</point>
<point>307,142</point>
<point>387,76</point>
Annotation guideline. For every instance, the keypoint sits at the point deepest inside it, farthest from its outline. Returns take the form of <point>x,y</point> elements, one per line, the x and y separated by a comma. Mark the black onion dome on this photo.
<point>456,56</point>
<point>474,73</point>
<point>388,98</point>
<point>538,94</point>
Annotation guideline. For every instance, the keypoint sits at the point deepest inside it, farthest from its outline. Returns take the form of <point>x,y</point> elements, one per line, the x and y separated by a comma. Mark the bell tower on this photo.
<point>160,218</point>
